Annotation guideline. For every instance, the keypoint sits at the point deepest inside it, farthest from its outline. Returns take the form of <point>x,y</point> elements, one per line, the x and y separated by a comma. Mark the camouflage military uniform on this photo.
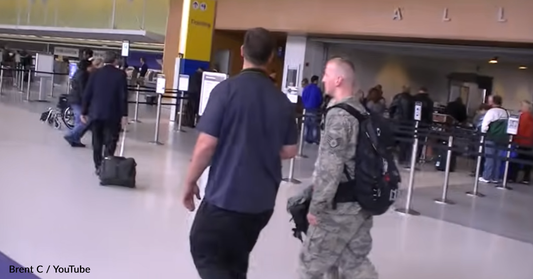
<point>339,244</point>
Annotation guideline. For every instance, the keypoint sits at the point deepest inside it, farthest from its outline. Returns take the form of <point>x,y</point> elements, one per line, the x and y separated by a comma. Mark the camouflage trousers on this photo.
<point>338,248</point>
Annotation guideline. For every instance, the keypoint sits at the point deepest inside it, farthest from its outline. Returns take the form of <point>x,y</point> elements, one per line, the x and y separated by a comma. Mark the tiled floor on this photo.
<point>52,212</point>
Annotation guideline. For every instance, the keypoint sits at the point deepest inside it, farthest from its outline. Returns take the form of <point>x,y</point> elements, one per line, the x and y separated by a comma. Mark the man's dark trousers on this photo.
<point>105,137</point>
<point>221,241</point>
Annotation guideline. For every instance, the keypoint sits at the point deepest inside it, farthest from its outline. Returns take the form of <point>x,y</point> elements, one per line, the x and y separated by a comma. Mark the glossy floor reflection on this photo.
<point>52,211</point>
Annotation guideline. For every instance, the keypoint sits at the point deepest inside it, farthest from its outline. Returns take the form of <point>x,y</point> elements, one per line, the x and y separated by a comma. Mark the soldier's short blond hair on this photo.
<point>345,69</point>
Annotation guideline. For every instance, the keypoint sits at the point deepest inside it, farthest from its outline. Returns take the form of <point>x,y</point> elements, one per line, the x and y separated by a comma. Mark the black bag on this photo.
<point>45,116</point>
<point>375,185</point>
<point>151,100</point>
<point>299,217</point>
<point>118,170</point>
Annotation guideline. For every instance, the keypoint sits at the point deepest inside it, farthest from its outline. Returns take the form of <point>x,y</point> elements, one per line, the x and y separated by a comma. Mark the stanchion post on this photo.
<point>158,119</point>
<point>14,75</point>
<point>52,84</point>
<point>504,186</point>
<point>290,178</point>
<point>180,115</point>
<point>22,73</point>
<point>17,76</point>
<point>512,130</point>
<point>444,198</point>
<point>28,89</point>
<point>1,79</point>
<point>407,209</point>
<point>302,134</point>
<point>68,88</point>
<point>136,113</point>
<point>159,90</point>
<point>475,192</point>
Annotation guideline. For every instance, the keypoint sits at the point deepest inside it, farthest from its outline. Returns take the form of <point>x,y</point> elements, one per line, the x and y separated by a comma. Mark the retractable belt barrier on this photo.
<point>22,78</point>
<point>147,91</point>
<point>449,141</point>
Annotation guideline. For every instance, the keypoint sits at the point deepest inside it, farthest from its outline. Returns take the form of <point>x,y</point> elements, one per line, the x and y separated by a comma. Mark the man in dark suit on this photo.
<point>105,103</point>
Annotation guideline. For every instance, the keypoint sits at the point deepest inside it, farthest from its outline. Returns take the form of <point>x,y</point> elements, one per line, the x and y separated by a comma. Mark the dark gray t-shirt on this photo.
<point>252,120</point>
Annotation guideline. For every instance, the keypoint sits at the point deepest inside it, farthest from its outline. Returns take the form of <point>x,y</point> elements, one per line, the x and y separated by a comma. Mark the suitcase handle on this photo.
<point>122,142</point>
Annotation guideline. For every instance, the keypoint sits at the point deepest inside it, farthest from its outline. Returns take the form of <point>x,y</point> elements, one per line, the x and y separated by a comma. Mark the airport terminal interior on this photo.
<point>54,214</point>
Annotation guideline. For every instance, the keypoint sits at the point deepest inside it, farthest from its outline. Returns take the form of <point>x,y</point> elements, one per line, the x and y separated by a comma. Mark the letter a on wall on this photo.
<point>397,14</point>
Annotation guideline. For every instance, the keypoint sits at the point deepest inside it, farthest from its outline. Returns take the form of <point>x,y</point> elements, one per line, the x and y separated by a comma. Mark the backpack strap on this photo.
<point>349,109</point>
<point>353,112</point>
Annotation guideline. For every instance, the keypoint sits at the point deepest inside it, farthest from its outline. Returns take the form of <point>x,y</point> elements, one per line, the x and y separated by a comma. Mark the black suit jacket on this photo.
<point>106,95</point>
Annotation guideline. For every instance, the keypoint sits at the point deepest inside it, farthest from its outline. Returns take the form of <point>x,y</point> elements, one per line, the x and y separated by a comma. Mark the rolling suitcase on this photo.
<point>440,161</point>
<point>118,170</point>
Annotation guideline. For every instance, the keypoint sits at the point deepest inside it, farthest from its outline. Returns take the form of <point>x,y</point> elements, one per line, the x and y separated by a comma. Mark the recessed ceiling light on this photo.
<point>522,68</point>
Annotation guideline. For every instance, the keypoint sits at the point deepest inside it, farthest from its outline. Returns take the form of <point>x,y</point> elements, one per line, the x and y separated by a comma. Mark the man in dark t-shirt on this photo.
<point>247,128</point>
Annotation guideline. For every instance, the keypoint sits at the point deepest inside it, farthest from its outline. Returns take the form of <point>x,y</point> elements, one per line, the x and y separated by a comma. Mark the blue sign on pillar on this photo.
<point>72,68</point>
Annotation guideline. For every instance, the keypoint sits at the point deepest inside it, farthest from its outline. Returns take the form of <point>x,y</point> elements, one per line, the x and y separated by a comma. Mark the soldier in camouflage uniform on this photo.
<point>338,240</point>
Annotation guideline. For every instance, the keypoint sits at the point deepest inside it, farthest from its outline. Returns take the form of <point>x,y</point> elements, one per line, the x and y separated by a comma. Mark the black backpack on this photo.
<point>376,180</point>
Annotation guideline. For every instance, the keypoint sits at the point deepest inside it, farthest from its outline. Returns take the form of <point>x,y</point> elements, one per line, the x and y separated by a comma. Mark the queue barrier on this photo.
<point>152,92</point>
<point>462,141</point>
<point>18,74</point>
<point>18,77</point>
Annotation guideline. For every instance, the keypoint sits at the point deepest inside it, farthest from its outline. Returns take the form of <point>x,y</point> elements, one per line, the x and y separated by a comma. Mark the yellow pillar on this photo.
<point>190,28</point>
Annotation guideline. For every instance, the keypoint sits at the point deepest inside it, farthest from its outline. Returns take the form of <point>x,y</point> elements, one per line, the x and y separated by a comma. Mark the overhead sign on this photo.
<point>418,111</point>
<point>160,85</point>
<point>209,81</point>
<point>512,124</point>
<point>125,48</point>
<point>67,51</point>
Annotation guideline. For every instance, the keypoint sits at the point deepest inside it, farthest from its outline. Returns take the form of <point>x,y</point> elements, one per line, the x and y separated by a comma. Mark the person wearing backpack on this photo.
<point>338,237</point>
<point>494,125</point>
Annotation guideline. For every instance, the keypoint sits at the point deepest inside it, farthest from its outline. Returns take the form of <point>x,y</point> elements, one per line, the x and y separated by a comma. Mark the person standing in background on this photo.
<point>311,101</point>
<point>193,103</point>
<point>375,102</point>
<point>401,110</point>
<point>143,70</point>
<point>305,82</point>
<point>494,124</point>
<point>457,110</point>
<point>78,84</point>
<point>87,54</point>
<point>524,140</point>
<point>105,103</point>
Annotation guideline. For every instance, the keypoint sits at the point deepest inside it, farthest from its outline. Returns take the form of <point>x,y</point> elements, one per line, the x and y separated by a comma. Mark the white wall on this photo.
<point>303,54</point>
<point>294,56</point>
<point>393,72</point>
<point>315,59</point>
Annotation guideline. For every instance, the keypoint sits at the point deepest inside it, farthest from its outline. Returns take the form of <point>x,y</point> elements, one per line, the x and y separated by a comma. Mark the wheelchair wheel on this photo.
<point>68,118</point>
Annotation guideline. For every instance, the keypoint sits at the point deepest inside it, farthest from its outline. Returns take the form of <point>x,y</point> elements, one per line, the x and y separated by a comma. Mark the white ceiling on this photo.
<point>472,53</point>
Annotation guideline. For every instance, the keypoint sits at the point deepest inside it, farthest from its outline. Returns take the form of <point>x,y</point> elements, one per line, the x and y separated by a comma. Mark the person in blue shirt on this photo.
<point>247,128</point>
<point>312,100</point>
